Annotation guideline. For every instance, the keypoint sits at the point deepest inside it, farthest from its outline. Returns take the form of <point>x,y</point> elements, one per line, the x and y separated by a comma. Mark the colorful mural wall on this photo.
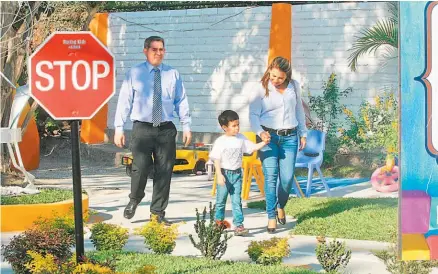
<point>419,130</point>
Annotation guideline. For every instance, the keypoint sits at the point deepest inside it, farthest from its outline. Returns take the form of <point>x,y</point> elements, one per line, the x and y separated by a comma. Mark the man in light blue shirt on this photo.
<point>149,95</point>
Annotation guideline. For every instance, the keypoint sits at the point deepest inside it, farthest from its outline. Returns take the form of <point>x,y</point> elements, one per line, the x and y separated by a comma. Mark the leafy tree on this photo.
<point>383,33</point>
<point>25,25</point>
<point>16,19</point>
<point>113,6</point>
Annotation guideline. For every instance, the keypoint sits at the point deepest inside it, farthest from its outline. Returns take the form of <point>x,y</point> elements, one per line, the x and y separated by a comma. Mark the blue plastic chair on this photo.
<point>311,157</point>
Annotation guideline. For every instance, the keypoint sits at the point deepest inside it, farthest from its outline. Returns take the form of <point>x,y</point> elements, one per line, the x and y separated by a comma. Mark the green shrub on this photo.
<point>396,266</point>
<point>48,264</point>
<point>375,126</point>
<point>108,236</point>
<point>65,222</point>
<point>159,237</point>
<point>51,125</point>
<point>146,269</point>
<point>269,252</point>
<point>333,256</point>
<point>53,241</point>
<point>327,108</point>
<point>210,243</point>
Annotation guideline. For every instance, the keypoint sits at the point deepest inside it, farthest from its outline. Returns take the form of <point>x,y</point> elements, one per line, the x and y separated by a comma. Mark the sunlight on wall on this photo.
<point>221,53</point>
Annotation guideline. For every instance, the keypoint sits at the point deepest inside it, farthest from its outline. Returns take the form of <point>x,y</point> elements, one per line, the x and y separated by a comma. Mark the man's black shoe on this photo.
<point>161,219</point>
<point>130,209</point>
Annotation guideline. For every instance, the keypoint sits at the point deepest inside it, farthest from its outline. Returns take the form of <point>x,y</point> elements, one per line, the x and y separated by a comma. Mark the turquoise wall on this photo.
<point>419,168</point>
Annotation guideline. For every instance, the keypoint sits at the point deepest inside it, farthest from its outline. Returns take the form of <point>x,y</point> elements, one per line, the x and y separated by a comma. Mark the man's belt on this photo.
<point>281,132</point>
<point>151,124</point>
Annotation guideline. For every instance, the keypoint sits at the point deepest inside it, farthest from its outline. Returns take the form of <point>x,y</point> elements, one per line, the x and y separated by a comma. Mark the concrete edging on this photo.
<point>21,217</point>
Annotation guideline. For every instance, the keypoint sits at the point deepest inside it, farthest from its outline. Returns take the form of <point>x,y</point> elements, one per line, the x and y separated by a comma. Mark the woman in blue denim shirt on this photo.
<point>277,116</point>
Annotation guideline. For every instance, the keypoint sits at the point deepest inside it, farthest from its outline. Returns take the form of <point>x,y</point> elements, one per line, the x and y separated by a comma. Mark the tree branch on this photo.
<point>29,115</point>
<point>93,8</point>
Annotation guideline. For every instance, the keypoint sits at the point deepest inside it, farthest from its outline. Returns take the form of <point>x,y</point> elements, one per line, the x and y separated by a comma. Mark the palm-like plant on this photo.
<point>384,32</point>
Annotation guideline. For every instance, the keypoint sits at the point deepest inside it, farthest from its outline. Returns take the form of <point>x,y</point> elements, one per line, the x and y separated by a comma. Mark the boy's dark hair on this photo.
<point>148,41</point>
<point>227,116</point>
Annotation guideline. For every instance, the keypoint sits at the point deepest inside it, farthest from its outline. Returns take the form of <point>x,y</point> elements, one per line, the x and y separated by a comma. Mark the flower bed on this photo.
<point>19,213</point>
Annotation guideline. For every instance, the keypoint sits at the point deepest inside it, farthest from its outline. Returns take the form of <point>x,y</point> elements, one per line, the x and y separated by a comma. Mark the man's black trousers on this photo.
<point>159,142</point>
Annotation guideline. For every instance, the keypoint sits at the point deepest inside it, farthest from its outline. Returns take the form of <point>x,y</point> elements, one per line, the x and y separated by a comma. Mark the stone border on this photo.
<point>21,217</point>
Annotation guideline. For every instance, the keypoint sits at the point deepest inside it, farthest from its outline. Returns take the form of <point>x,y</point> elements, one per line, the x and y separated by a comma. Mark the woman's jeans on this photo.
<point>278,161</point>
<point>233,185</point>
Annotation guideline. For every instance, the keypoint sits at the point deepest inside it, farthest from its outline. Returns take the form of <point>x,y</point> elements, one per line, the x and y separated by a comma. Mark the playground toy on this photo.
<point>12,135</point>
<point>386,178</point>
<point>191,158</point>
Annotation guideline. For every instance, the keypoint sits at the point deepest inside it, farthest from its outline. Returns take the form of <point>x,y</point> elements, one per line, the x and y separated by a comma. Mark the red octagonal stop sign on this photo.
<point>72,75</point>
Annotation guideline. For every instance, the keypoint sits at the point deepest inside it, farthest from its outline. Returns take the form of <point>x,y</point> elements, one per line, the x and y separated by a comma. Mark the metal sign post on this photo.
<point>77,189</point>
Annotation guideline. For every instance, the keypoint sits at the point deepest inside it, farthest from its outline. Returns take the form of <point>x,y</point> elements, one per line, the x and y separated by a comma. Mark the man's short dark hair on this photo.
<point>150,39</point>
<point>227,116</point>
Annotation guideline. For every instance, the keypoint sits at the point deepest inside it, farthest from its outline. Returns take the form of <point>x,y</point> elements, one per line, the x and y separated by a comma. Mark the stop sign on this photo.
<point>72,75</point>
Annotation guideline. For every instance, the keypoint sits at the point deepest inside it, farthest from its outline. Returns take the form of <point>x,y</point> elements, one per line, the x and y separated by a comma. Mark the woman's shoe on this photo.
<point>281,220</point>
<point>272,226</point>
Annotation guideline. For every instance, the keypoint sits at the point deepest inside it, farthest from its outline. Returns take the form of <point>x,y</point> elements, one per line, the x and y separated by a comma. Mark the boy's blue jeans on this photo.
<point>233,185</point>
<point>278,162</point>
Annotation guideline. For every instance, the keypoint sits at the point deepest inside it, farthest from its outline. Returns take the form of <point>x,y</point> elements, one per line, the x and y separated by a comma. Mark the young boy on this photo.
<point>227,153</point>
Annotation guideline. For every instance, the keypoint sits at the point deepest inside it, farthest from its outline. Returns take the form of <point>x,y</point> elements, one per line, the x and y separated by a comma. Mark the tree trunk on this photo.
<point>91,12</point>
<point>7,14</point>
<point>20,63</point>
<point>14,47</point>
<point>7,56</point>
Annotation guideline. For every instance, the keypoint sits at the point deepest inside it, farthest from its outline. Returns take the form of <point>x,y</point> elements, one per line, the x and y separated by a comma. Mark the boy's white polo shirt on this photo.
<point>230,149</point>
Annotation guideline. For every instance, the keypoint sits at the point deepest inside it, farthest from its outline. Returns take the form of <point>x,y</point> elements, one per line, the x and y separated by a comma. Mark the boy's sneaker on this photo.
<point>240,231</point>
<point>223,224</point>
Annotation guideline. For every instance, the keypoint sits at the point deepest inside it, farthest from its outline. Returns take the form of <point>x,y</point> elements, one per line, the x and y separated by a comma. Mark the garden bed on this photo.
<point>18,213</point>
<point>49,195</point>
<point>128,262</point>
<point>347,218</point>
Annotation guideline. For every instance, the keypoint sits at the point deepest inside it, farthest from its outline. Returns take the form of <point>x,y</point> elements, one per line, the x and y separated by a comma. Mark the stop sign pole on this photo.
<point>72,76</point>
<point>77,190</point>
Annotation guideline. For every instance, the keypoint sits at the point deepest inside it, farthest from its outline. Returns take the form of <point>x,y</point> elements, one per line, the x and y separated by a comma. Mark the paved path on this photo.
<point>108,189</point>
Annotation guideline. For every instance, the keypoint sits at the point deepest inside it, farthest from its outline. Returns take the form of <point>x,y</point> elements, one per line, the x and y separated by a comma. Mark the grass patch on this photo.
<point>46,196</point>
<point>128,262</point>
<point>348,218</point>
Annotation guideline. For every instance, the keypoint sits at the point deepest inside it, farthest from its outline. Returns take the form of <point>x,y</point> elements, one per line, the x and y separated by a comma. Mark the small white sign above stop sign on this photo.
<point>72,75</point>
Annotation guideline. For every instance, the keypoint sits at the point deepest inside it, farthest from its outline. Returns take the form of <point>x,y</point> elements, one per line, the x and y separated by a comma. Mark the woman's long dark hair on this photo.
<point>282,64</point>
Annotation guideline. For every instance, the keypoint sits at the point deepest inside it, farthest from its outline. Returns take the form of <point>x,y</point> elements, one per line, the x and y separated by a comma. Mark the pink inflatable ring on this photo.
<point>385,181</point>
